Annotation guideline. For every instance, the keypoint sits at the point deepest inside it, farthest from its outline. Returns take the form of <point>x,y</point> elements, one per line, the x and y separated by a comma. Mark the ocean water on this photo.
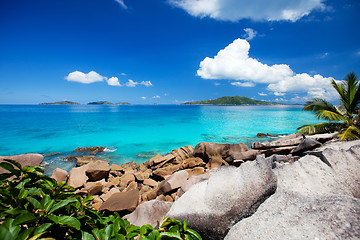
<point>136,132</point>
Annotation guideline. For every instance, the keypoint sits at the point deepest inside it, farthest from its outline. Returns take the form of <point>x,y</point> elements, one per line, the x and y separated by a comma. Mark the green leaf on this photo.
<point>23,194</point>
<point>22,183</point>
<point>24,218</point>
<point>154,235</point>
<point>42,228</point>
<point>25,234</point>
<point>35,203</point>
<point>86,236</point>
<point>65,220</point>
<point>8,230</point>
<point>170,235</point>
<point>4,176</point>
<point>194,233</point>
<point>61,204</point>
<point>13,162</point>
<point>146,229</point>
<point>9,167</point>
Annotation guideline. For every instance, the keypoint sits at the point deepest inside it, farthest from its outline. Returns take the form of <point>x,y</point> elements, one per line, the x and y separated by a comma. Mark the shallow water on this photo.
<point>137,132</point>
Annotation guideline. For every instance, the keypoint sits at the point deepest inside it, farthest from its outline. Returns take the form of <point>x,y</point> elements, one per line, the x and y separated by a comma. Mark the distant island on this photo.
<point>61,103</point>
<point>236,100</point>
<point>108,103</point>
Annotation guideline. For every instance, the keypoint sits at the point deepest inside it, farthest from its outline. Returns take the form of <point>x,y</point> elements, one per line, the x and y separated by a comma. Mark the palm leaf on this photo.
<point>318,128</point>
<point>351,133</point>
<point>324,110</point>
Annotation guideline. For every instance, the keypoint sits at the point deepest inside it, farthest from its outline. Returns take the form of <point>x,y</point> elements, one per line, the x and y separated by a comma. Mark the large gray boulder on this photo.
<point>316,198</point>
<point>212,206</point>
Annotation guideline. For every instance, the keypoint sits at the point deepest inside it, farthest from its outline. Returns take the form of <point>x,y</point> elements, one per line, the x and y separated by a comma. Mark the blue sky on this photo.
<point>171,51</point>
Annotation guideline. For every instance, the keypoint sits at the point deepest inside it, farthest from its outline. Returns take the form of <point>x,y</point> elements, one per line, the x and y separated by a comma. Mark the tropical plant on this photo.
<point>343,118</point>
<point>35,206</point>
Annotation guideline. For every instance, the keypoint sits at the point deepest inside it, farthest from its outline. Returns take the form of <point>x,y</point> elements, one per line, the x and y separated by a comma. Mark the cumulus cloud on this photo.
<point>233,63</point>
<point>258,10</point>
<point>243,84</point>
<point>143,98</point>
<point>86,78</point>
<point>249,33</point>
<point>113,81</point>
<point>262,94</point>
<point>122,4</point>
<point>156,97</point>
<point>92,77</point>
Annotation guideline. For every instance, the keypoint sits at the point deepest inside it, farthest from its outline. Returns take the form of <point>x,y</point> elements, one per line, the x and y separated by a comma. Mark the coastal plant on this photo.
<point>35,206</point>
<point>343,118</point>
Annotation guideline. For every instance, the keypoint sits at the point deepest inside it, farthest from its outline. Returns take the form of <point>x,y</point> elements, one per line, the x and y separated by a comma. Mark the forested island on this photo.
<point>61,103</point>
<point>236,100</point>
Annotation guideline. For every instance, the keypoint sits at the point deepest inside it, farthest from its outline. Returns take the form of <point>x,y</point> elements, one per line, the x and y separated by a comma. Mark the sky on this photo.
<point>174,51</point>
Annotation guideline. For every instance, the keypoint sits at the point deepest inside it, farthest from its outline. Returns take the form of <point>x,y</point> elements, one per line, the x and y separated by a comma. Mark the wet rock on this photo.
<point>121,201</point>
<point>93,150</point>
<point>173,182</point>
<point>59,175</point>
<point>212,206</point>
<point>97,170</point>
<point>149,212</point>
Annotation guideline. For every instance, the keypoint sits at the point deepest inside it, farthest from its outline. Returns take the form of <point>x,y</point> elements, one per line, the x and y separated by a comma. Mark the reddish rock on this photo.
<point>93,150</point>
<point>158,159</point>
<point>215,162</point>
<point>83,160</point>
<point>115,167</point>
<point>94,188</point>
<point>195,171</point>
<point>150,182</point>
<point>149,212</point>
<point>192,162</point>
<point>126,179</point>
<point>131,186</point>
<point>141,176</point>
<point>115,181</point>
<point>149,195</point>
<point>97,170</point>
<point>107,195</point>
<point>30,159</point>
<point>121,201</point>
<point>77,177</point>
<point>59,175</point>
<point>173,182</point>
<point>208,151</point>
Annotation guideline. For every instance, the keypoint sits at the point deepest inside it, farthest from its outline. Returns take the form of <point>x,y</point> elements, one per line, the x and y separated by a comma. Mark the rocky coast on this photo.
<point>290,188</point>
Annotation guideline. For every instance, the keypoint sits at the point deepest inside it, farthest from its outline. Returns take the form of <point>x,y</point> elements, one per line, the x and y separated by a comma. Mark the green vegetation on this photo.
<point>35,206</point>
<point>123,103</point>
<point>100,103</point>
<point>343,118</point>
<point>236,100</point>
<point>61,103</point>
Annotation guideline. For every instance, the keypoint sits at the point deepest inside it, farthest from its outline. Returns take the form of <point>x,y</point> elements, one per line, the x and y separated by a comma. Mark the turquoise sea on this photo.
<point>136,132</point>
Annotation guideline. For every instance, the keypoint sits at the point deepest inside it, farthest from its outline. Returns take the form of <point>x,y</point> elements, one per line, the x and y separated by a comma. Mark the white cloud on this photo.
<point>113,81</point>
<point>258,10</point>
<point>249,33</point>
<point>156,97</point>
<point>123,74</point>
<point>143,98</point>
<point>122,4</point>
<point>243,84</point>
<point>262,94</point>
<point>146,83</point>
<point>233,63</point>
<point>131,83</point>
<point>86,78</point>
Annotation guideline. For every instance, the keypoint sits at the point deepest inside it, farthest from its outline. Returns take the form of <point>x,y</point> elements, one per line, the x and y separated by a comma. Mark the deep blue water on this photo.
<point>130,130</point>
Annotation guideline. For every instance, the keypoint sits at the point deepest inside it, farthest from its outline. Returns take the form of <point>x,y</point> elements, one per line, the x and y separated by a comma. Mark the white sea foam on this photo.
<point>110,149</point>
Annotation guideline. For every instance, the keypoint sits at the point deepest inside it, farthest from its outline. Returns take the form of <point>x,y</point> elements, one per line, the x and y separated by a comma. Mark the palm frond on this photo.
<point>319,128</point>
<point>351,133</point>
<point>353,91</point>
<point>323,110</point>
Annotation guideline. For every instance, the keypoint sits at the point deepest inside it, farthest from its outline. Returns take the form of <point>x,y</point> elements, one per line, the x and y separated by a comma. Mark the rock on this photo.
<point>149,195</point>
<point>96,205</point>
<point>173,182</point>
<point>215,162</point>
<point>158,159</point>
<point>305,145</point>
<point>121,201</point>
<point>293,216</point>
<point>59,175</point>
<point>317,198</point>
<point>126,179</point>
<point>212,206</point>
<point>94,188</point>
<point>115,181</point>
<point>30,159</point>
<point>149,212</point>
<point>166,171</point>
<point>131,186</point>
<point>141,176</point>
<point>77,177</point>
<point>98,170</point>
<point>207,150</point>
<point>283,158</point>
<point>282,142</point>
<point>245,156</point>
<point>93,150</point>
<point>150,182</point>
<point>83,160</point>
<point>168,198</point>
<point>195,171</point>
<point>107,195</point>
<point>115,167</point>
<point>191,182</point>
<point>261,135</point>
<point>142,167</point>
<point>192,162</point>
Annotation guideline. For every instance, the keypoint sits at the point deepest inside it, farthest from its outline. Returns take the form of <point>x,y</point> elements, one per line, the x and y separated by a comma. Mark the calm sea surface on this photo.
<point>136,132</point>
